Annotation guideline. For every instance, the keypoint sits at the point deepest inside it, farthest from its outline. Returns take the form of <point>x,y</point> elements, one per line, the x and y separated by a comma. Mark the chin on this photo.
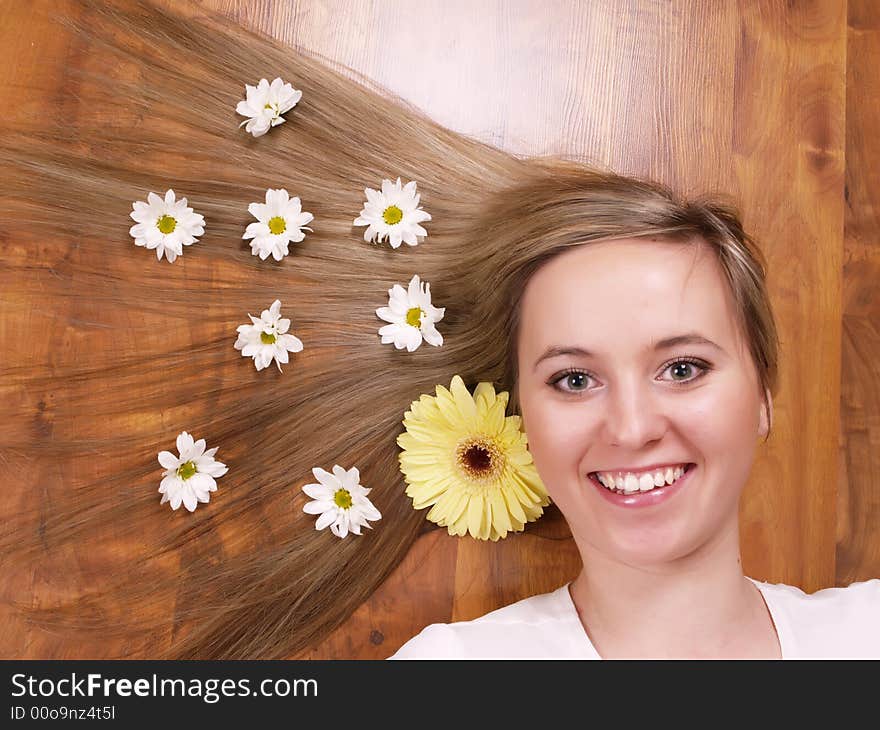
<point>649,547</point>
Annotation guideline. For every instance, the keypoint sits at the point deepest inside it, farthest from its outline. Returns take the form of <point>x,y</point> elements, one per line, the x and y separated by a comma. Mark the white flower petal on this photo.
<point>168,483</point>
<point>198,449</point>
<point>432,336</point>
<point>317,508</point>
<point>325,477</point>
<point>217,469</point>
<point>189,499</point>
<point>175,498</point>
<point>413,339</point>
<point>291,342</point>
<point>415,290</point>
<point>353,478</point>
<point>369,511</point>
<point>317,491</point>
<point>325,519</point>
<point>168,460</point>
<point>386,314</point>
<point>202,481</point>
<point>185,445</point>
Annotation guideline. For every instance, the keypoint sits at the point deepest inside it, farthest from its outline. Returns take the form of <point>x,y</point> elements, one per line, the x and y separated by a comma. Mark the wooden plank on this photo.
<point>858,535</point>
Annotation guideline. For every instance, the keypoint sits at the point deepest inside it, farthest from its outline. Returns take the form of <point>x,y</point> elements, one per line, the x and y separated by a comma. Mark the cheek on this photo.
<point>722,427</point>
<point>724,417</point>
<point>558,438</point>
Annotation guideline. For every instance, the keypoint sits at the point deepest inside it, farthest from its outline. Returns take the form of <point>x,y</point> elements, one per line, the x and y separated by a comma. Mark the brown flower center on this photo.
<point>480,459</point>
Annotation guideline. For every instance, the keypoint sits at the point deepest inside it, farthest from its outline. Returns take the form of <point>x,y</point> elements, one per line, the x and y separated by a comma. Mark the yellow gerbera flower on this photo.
<point>464,457</point>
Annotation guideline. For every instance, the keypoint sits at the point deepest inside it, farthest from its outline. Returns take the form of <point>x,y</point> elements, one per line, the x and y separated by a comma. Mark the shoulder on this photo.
<point>832,622</point>
<point>847,602</point>
<point>535,627</point>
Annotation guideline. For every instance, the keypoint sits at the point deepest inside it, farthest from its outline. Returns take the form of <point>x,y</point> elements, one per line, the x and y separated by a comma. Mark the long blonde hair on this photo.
<point>152,109</point>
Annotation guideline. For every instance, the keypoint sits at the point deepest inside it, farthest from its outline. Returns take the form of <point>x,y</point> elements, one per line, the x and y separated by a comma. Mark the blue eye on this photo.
<point>577,379</point>
<point>686,364</point>
<point>569,375</point>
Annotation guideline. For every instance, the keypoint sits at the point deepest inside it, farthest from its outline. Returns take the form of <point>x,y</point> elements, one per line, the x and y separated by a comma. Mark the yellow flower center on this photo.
<point>185,471</point>
<point>277,225</point>
<point>166,224</point>
<point>480,459</point>
<point>267,338</point>
<point>414,317</point>
<point>342,498</point>
<point>392,215</point>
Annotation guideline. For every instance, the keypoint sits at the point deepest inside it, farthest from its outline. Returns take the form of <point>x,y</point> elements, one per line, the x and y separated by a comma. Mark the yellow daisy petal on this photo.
<point>515,510</point>
<point>500,512</point>
<point>448,505</point>
<point>464,403</point>
<point>493,417</point>
<point>428,493</point>
<point>484,396</point>
<point>475,514</point>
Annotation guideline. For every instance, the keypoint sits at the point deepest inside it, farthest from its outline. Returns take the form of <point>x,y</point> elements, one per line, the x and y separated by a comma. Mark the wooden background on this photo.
<point>773,102</point>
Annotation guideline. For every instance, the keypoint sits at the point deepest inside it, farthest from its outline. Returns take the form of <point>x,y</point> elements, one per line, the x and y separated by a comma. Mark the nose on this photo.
<point>634,415</point>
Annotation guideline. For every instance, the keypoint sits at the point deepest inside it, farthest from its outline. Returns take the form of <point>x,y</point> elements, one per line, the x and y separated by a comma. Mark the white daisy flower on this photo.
<point>165,225</point>
<point>412,317</point>
<point>394,212</point>
<point>267,338</point>
<point>340,500</point>
<point>280,220</point>
<point>189,478</point>
<point>265,103</point>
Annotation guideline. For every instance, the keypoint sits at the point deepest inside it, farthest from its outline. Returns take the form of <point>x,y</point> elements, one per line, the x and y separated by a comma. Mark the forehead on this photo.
<point>625,294</point>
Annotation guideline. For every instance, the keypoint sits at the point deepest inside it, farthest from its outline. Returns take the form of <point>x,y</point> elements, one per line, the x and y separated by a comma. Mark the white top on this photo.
<point>831,623</point>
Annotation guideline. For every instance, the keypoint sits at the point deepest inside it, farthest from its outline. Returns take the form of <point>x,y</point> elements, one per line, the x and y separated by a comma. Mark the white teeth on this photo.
<point>630,483</point>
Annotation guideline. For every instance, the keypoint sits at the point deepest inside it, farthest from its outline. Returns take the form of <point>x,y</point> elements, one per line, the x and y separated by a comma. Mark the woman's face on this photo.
<point>627,404</point>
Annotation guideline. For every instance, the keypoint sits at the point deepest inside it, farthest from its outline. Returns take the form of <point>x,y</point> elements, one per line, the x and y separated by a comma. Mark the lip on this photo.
<point>650,467</point>
<point>645,499</point>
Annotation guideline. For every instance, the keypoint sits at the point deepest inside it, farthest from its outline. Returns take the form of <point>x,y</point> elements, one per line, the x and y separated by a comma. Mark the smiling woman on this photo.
<point>644,368</point>
<point>587,295</point>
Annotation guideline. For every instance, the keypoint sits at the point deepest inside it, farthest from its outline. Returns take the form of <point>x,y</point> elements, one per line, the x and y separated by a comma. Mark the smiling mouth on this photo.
<point>637,486</point>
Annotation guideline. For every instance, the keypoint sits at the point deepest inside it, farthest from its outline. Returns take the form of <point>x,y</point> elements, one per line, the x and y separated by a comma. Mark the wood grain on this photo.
<point>772,102</point>
<point>858,538</point>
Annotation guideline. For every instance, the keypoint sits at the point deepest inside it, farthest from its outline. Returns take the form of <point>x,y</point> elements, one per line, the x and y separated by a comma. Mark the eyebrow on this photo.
<point>691,338</point>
